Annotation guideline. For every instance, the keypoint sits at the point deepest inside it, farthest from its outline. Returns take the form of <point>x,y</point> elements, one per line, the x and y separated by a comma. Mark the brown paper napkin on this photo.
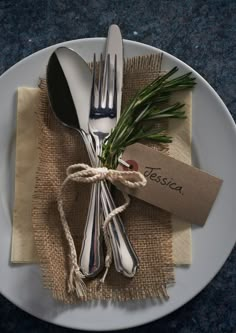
<point>22,246</point>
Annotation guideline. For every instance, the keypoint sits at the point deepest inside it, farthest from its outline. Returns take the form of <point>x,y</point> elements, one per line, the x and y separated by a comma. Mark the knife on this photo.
<point>125,258</point>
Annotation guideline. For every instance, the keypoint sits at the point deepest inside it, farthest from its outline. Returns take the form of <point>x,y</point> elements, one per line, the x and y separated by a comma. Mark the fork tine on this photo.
<point>104,96</point>
<point>108,78</point>
<point>114,105</point>
<point>92,100</point>
<point>100,84</point>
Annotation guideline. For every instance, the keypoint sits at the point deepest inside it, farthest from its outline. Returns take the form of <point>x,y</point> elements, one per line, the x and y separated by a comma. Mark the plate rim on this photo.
<point>229,116</point>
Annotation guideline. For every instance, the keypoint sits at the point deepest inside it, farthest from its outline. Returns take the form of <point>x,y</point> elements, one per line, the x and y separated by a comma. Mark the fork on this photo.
<point>103,117</point>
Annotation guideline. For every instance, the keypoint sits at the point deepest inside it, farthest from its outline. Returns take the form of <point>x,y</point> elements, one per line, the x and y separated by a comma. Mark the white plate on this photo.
<point>214,140</point>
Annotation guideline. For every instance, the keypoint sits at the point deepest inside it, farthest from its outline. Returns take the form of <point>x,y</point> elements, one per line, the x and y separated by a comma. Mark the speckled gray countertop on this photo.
<point>202,33</point>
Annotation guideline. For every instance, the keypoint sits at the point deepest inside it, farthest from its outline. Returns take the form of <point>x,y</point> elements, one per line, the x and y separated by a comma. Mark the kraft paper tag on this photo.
<point>172,185</point>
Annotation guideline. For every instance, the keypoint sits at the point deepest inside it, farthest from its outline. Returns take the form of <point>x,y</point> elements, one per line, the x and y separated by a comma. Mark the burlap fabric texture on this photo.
<point>148,227</point>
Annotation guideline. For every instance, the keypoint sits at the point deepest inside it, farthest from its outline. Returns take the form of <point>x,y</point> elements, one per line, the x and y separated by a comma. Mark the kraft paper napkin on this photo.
<point>23,249</point>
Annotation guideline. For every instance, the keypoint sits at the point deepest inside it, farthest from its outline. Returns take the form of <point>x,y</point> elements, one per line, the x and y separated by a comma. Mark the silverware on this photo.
<point>69,89</point>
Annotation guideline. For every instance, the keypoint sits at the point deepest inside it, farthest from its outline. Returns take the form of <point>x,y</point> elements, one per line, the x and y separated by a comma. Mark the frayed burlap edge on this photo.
<point>148,288</point>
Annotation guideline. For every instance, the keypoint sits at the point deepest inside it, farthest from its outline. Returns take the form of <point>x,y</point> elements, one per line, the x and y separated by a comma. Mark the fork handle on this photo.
<point>125,258</point>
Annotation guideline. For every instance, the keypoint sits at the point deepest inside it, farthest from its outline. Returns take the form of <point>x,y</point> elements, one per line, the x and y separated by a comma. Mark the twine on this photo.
<point>83,173</point>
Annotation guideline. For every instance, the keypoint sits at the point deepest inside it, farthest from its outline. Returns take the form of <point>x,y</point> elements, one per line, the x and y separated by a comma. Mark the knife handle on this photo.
<point>125,258</point>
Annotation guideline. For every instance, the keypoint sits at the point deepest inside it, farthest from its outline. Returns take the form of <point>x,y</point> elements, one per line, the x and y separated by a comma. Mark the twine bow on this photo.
<point>83,173</point>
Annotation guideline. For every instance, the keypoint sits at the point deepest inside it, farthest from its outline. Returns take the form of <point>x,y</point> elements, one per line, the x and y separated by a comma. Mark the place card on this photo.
<point>172,185</point>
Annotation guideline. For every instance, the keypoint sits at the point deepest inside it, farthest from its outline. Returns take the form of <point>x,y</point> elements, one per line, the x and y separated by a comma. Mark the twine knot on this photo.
<point>84,173</point>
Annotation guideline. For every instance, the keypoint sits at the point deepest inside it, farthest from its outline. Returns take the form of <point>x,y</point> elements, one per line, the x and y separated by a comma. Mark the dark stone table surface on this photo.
<point>202,33</point>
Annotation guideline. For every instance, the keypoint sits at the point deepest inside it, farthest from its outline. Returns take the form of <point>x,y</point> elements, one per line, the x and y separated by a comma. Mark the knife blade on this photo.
<point>114,47</point>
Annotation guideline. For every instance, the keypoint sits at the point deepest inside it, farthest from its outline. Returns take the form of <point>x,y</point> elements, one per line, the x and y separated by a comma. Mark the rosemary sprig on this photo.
<point>148,106</point>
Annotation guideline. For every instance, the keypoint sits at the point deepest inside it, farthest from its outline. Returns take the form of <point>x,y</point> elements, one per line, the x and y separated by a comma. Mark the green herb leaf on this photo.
<point>145,106</point>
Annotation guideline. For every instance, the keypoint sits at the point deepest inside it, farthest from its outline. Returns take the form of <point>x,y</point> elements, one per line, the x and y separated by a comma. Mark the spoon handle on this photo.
<point>91,256</point>
<point>91,259</point>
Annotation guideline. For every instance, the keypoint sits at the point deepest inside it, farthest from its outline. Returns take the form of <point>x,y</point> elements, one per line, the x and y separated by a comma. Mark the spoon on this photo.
<point>63,106</point>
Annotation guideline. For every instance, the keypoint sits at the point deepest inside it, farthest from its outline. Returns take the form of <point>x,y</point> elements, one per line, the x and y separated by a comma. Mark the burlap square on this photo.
<point>149,228</point>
